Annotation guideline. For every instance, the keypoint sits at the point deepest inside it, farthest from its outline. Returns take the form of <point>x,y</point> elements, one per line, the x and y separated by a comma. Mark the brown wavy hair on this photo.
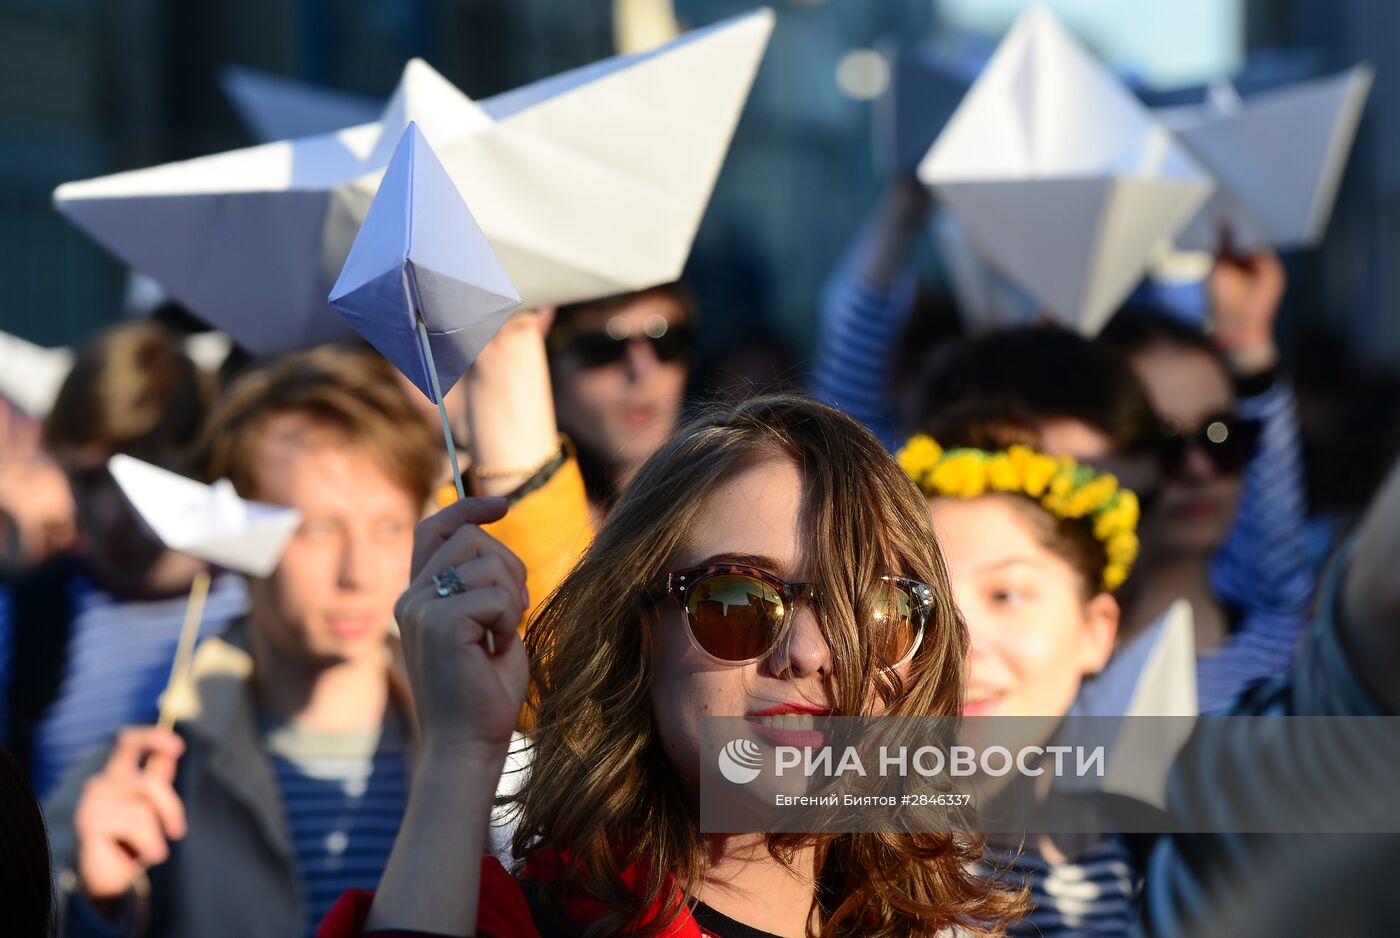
<point>349,390</point>
<point>602,793</point>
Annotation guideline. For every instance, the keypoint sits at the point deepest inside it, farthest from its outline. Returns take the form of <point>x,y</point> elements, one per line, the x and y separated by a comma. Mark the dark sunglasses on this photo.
<point>596,349</point>
<point>734,614</point>
<point>1227,440</point>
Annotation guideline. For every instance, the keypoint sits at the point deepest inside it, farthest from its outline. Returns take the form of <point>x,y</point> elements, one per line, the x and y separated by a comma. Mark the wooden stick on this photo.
<point>184,650</point>
<point>442,409</point>
<point>437,395</point>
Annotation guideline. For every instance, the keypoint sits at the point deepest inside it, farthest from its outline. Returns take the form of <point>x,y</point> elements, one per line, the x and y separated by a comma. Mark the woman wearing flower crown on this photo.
<point>1035,547</point>
<point>1229,461</point>
<point>771,561</point>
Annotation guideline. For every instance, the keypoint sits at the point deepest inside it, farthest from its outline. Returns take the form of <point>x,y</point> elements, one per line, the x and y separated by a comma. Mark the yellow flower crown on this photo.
<point>1061,486</point>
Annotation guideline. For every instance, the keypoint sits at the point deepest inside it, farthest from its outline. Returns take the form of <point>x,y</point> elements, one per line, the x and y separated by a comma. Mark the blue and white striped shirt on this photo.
<point>1263,569</point>
<point>860,328</point>
<point>1092,894</point>
<point>117,664</point>
<point>344,797</point>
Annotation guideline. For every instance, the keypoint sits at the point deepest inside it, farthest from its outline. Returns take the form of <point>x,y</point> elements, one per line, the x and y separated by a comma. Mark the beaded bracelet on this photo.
<point>482,472</point>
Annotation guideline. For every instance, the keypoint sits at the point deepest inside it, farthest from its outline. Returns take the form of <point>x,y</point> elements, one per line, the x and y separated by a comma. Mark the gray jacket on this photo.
<point>234,874</point>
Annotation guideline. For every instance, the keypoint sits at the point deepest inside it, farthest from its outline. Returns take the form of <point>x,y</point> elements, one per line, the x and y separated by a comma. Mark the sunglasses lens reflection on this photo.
<point>1228,442</point>
<point>896,624</point>
<point>673,344</point>
<point>735,617</point>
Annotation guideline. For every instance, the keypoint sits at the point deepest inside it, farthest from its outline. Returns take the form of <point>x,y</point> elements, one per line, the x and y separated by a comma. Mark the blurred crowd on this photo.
<point>487,709</point>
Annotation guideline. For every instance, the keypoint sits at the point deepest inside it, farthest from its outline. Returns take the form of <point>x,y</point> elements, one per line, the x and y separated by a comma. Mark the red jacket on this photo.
<point>502,912</point>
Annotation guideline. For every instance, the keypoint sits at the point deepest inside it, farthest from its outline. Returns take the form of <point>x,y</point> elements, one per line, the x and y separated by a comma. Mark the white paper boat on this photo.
<point>206,521</point>
<point>420,254</point>
<point>1060,176</point>
<point>1277,157</point>
<point>587,184</point>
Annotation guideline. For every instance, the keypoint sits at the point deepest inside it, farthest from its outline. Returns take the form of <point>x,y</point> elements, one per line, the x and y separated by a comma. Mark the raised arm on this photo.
<point>1370,620</point>
<point>467,701</point>
<point>863,313</point>
<point>515,450</point>
<point>1263,565</point>
<point>510,406</point>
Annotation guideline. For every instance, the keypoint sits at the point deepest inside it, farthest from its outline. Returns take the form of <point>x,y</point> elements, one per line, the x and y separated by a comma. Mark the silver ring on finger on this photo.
<point>448,582</point>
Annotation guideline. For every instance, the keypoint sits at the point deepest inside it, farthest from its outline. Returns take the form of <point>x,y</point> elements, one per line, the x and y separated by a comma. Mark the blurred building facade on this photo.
<point>1352,283</point>
<point>95,86</point>
<point>89,87</point>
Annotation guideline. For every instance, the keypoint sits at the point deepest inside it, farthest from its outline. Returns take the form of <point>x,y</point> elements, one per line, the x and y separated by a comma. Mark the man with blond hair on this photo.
<point>286,778</point>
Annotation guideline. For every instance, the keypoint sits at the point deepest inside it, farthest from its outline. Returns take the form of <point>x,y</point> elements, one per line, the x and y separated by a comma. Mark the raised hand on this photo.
<point>129,813</point>
<point>1245,292</point>
<point>467,700</point>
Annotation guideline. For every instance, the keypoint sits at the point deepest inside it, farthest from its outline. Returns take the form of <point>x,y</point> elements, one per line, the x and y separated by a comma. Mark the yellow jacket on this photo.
<point>547,529</point>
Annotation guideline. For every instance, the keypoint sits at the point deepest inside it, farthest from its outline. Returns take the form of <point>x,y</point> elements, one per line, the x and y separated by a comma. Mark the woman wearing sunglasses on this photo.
<point>1225,527</point>
<point>619,368</point>
<point>772,562</point>
<point>1222,487</point>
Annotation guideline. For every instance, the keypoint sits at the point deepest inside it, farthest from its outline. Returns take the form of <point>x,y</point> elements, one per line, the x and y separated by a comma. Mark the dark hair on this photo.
<point>1135,328</point>
<point>26,879</point>
<point>676,290</point>
<point>133,389</point>
<point>1043,373</point>
<point>990,427</point>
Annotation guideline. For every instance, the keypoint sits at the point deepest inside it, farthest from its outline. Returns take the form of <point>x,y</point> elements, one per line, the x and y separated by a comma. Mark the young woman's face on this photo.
<point>1033,635</point>
<point>753,518</point>
<point>1195,508</point>
<point>625,410</point>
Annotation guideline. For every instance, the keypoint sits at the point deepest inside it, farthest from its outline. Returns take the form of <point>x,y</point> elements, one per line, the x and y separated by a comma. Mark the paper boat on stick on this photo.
<point>420,255</point>
<point>987,301</point>
<point>206,521</point>
<point>1277,157</point>
<point>1060,176</point>
<point>586,184</point>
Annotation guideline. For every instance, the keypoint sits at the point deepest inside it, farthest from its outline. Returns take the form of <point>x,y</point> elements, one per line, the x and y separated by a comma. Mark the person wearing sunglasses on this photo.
<point>619,368</point>
<point>1225,528</point>
<point>771,561</point>
<point>1087,403</point>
